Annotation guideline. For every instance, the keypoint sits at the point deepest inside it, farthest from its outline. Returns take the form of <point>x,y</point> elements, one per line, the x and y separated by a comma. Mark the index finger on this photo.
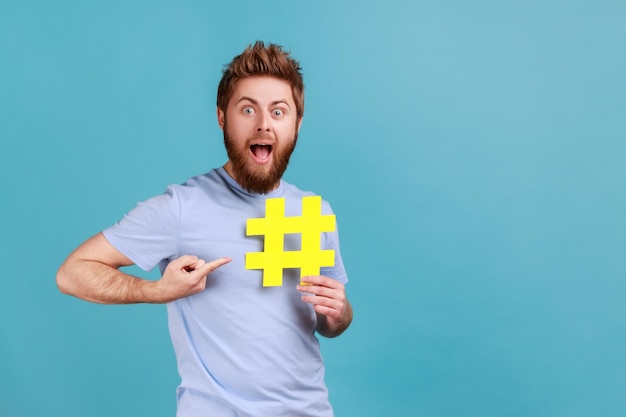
<point>211,266</point>
<point>321,280</point>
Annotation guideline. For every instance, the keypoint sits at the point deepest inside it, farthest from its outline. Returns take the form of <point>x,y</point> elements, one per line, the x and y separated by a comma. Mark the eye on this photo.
<point>248,110</point>
<point>278,112</point>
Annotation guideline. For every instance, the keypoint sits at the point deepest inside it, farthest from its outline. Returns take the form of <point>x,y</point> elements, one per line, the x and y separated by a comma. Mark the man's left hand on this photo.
<point>328,297</point>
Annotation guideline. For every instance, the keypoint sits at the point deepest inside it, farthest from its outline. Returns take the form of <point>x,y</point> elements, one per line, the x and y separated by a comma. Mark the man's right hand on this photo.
<point>92,273</point>
<point>186,276</point>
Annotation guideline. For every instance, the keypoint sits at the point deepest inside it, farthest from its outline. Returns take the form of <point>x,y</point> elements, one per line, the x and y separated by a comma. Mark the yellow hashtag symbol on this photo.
<point>275,225</point>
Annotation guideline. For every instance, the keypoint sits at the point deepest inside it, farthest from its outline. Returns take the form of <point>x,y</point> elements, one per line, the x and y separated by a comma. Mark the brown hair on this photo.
<point>258,59</point>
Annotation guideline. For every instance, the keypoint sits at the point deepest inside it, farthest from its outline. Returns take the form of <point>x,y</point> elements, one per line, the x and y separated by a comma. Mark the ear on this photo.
<point>298,124</point>
<point>220,118</point>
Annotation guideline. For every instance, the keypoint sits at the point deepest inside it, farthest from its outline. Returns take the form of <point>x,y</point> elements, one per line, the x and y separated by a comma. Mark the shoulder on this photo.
<point>196,182</point>
<point>196,186</point>
<point>293,192</point>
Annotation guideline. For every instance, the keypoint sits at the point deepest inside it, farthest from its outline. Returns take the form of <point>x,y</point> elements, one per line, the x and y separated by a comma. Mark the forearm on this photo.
<point>92,273</point>
<point>99,283</point>
<point>333,327</point>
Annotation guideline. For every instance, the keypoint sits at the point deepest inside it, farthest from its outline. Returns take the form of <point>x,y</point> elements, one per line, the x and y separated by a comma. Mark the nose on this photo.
<point>264,122</point>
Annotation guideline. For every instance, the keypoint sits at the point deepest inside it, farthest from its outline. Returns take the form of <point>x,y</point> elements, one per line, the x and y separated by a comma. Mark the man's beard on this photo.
<point>258,179</point>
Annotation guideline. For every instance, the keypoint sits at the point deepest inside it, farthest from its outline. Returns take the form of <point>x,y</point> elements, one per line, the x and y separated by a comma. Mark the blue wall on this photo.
<point>473,152</point>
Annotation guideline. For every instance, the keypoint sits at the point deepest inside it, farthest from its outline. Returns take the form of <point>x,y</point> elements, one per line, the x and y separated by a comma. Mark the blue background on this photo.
<point>473,152</point>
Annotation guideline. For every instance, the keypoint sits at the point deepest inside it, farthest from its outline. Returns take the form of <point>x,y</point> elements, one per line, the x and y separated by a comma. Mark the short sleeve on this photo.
<point>148,234</point>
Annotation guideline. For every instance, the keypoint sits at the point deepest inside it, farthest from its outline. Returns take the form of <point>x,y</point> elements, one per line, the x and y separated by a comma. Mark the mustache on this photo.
<point>263,136</point>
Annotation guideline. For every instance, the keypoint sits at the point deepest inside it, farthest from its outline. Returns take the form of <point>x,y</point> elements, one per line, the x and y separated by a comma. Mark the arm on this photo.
<point>91,273</point>
<point>334,312</point>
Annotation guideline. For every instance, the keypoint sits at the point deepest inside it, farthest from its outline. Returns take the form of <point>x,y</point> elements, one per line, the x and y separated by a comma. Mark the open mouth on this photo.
<point>261,153</point>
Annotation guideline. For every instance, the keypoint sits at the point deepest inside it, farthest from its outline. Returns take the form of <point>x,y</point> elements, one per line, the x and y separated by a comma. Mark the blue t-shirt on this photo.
<point>242,349</point>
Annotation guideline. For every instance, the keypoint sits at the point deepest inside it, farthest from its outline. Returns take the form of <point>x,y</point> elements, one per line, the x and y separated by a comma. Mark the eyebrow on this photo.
<point>273,103</point>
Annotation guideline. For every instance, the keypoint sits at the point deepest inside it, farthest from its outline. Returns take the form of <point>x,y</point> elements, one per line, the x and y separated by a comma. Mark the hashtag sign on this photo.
<point>275,225</point>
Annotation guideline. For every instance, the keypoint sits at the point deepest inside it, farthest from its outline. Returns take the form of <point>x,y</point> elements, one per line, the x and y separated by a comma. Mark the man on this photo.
<point>242,349</point>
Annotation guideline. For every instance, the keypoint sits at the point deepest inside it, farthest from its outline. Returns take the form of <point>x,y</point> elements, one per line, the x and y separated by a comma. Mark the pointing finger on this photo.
<point>209,267</point>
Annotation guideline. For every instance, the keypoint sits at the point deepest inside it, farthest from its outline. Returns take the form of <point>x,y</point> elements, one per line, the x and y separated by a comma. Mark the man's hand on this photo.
<point>92,273</point>
<point>334,312</point>
<point>185,276</point>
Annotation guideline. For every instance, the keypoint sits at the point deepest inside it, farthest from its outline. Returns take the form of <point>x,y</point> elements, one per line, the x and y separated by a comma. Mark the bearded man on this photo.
<point>242,349</point>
